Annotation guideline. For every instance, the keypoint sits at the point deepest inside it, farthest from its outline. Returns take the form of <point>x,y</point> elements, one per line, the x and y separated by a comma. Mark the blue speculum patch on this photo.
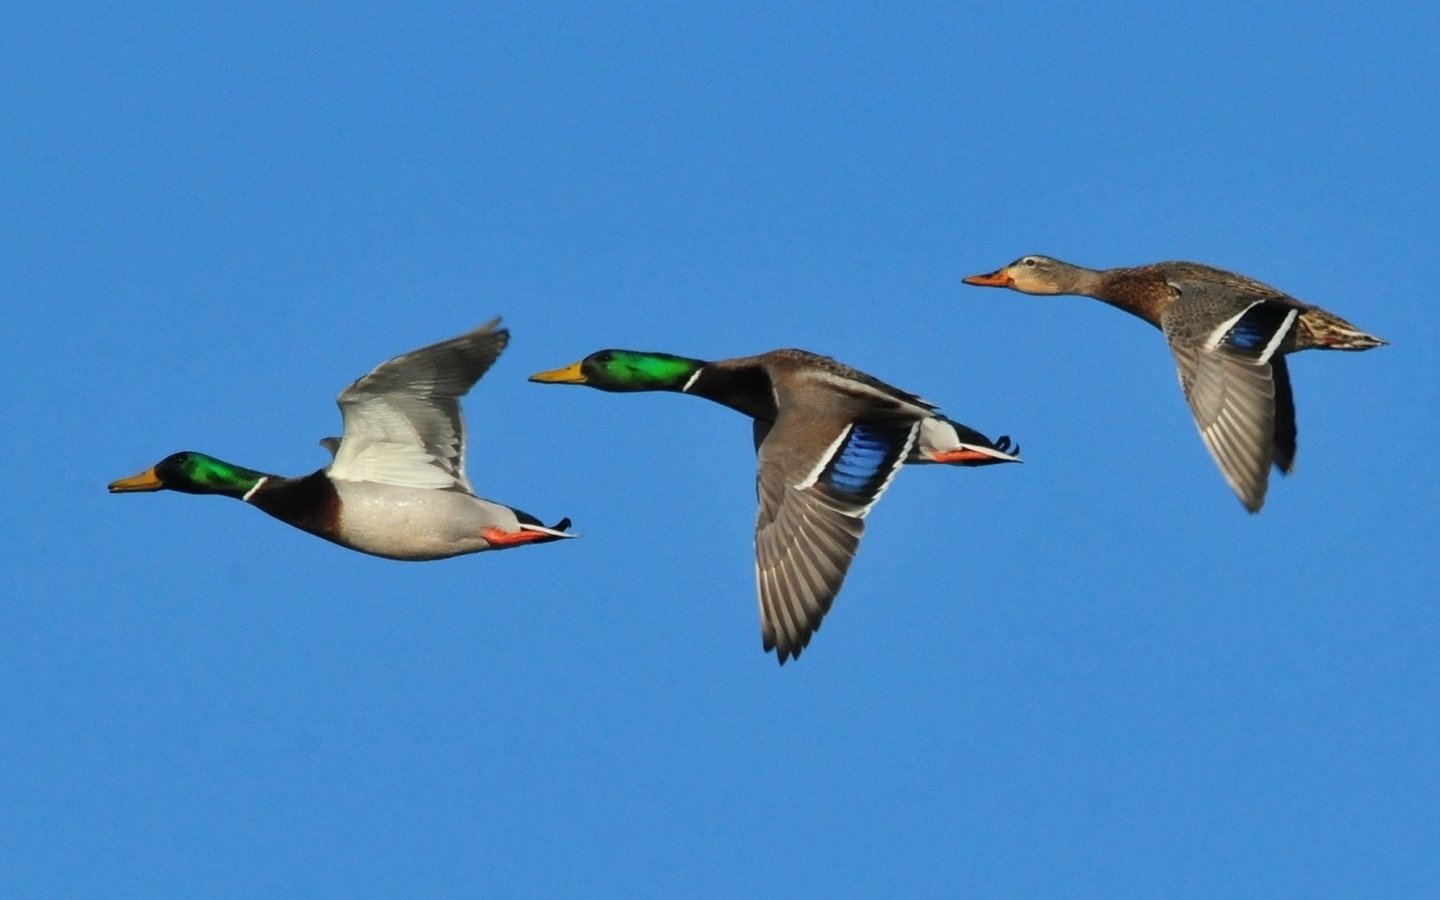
<point>863,462</point>
<point>1257,327</point>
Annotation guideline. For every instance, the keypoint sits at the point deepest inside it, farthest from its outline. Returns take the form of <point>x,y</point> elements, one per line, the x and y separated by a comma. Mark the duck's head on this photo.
<point>190,473</point>
<point>1034,275</point>
<point>625,370</point>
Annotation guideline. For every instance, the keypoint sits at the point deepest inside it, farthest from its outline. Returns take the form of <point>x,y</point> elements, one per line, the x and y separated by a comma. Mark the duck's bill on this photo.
<point>570,374</point>
<point>998,278</point>
<point>145,481</point>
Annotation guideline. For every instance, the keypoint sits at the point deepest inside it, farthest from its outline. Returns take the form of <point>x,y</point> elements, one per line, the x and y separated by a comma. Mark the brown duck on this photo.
<point>1229,334</point>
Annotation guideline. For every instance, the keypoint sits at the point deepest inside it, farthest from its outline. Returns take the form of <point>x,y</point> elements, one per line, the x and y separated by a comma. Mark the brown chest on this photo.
<point>310,503</point>
<point>1145,297</point>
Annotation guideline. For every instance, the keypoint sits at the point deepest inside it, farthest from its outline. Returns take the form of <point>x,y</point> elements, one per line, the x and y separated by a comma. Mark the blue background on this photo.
<point>1090,675</point>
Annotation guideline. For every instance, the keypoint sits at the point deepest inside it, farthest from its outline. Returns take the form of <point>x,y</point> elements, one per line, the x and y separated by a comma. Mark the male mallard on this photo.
<point>396,487</point>
<point>1229,334</point>
<point>829,440</point>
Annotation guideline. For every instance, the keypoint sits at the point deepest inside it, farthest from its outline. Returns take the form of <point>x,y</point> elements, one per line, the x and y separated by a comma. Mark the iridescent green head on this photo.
<point>626,370</point>
<point>191,473</point>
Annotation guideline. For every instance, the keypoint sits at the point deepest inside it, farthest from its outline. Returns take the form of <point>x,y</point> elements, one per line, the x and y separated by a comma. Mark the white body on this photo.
<point>417,523</point>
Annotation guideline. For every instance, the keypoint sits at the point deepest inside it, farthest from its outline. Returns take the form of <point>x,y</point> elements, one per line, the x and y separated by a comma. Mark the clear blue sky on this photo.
<point>1090,675</point>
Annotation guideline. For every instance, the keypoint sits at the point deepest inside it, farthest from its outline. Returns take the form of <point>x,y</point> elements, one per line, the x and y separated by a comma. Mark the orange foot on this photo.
<point>513,539</point>
<point>962,456</point>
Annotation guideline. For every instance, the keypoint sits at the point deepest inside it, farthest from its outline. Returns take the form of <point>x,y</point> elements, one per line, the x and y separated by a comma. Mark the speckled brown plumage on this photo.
<point>1229,333</point>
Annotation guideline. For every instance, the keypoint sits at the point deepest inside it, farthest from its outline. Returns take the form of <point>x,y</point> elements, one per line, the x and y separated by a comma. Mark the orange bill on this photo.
<point>997,278</point>
<point>145,481</point>
<point>570,374</point>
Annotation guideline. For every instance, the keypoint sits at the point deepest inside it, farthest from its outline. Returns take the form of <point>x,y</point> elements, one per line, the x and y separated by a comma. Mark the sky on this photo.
<point>1090,675</point>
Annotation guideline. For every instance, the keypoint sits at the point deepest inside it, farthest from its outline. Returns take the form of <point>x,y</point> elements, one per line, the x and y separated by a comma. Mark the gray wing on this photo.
<point>817,480</point>
<point>1233,402</point>
<point>402,421</point>
<point>803,548</point>
<point>1228,346</point>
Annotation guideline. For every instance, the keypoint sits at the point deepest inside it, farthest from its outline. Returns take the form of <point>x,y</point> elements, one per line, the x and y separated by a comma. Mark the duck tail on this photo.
<point>946,442</point>
<point>550,533</point>
<point>1322,330</point>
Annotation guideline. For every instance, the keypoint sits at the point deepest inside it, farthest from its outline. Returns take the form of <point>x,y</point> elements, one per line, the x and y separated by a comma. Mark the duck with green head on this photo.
<point>396,486</point>
<point>1230,335</point>
<point>829,440</point>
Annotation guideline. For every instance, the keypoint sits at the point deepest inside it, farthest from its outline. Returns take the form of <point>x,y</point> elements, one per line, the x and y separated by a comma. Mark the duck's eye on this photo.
<point>1028,261</point>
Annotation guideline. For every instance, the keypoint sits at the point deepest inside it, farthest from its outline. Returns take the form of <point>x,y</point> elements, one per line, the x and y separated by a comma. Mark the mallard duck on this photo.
<point>1229,334</point>
<point>396,486</point>
<point>829,440</point>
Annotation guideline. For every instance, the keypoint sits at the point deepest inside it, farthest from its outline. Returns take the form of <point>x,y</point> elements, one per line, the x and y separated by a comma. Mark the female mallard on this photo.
<point>829,440</point>
<point>1229,334</point>
<point>396,487</point>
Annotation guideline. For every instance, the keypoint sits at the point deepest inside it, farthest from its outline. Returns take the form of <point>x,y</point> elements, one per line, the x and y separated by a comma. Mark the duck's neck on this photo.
<point>1082,281</point>
<point>207,475</point>
<point>1131,290</point>
<point>733,383</point>
<point>656,372</point>
<point>310,503</point>
<point>744,389</point>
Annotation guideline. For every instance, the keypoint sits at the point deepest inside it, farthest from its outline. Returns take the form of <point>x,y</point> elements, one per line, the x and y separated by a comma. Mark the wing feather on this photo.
<point>818,478</point>
<point>1233,401</point>
<point>403,424</point>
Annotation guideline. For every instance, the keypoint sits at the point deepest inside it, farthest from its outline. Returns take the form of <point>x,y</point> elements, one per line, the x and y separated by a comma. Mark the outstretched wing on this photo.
<point>1235,381</point>
<point>402,421</point>
<point>817,480</point>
